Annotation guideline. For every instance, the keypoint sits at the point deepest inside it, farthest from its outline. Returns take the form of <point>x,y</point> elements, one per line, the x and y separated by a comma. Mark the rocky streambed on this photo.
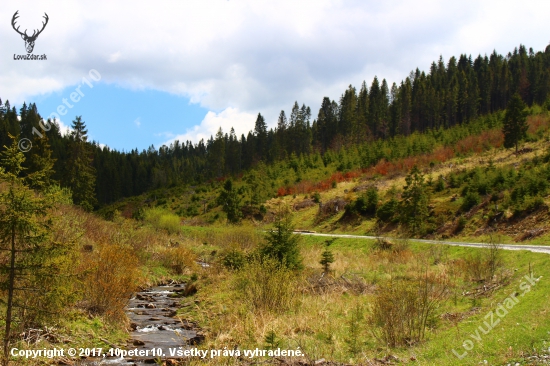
<point>154,328</point>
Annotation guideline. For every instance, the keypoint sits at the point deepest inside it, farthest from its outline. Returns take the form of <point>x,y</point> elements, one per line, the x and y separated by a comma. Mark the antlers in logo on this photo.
<point>29,40</point>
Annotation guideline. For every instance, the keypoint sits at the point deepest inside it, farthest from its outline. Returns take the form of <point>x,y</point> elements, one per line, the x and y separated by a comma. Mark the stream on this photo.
<point>154,327</point>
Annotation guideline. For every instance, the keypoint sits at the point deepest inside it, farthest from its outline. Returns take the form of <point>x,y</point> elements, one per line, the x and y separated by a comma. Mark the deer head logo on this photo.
<point>29,40</point>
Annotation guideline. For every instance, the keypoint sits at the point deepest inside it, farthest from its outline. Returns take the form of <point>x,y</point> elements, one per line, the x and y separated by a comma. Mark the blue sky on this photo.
<point>124,118</point>
<point>182,69</point>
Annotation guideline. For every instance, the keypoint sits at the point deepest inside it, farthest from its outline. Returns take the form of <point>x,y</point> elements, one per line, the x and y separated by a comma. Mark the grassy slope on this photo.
<point>188,201</point>
<point>320,322</point>
<point>524,330</point>
<point>305,219</point>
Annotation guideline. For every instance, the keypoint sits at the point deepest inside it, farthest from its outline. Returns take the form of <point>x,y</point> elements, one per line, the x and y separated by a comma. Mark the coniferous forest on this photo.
<point>450,93</point>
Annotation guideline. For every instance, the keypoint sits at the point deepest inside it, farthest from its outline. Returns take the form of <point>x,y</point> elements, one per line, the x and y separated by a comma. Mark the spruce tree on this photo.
<point>281,244</point>
<point>260,132</point>
<point>327,258</point>
<point>414,202</point>
<point>231,202</point>
<point>40,163</point>
<point>80,176</point>
<point>515,122</point>
<point>216,154</point>
<point>30,264</point>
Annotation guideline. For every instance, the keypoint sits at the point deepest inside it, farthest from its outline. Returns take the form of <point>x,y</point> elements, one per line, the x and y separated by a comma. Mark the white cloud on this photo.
<point>242,123</point>
<point>63,128</point>
<point>165,135</point>
<point>255,56</point>
<point>114,57</point>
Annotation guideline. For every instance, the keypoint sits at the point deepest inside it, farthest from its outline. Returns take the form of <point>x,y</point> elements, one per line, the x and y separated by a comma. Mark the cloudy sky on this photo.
<point>181,69</point>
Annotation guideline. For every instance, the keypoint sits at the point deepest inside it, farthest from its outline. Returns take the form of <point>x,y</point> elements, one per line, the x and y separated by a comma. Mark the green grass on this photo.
<point>522,330</point>
<point>524,327</point>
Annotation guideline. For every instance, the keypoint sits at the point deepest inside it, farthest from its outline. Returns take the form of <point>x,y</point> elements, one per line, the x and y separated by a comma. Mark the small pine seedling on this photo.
<point>271,340</point>
<point>327,257</point>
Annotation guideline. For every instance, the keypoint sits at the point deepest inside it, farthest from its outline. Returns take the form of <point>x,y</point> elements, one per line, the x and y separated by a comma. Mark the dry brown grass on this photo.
<point>403,307</point>
<point>110,256</point>
<point>110,277</point>
<point>180,259</point>
<point>267,286</point>
<point>243,237</point>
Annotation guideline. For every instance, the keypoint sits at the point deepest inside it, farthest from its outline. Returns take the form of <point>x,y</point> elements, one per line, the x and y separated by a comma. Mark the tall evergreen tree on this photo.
<point>361,131</point>
<point>40,163</point>
<point>80,175</point>
<point>216,154</point>
<point>30,261</point>
<point>515,122</point>
<point>231,202</point>
<point>260,132</point>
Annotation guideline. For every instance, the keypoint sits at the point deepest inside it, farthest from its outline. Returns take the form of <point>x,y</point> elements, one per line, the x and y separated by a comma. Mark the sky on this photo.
<point>152,72</point>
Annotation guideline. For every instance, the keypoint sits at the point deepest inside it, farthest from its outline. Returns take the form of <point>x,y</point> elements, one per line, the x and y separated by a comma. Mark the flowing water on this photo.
<point>155,329</point>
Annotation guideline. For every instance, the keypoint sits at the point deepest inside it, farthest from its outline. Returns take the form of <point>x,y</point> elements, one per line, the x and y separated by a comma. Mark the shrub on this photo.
<point>233,259</point>
<point>529,204</point>
<point>387,212</point>
<point>454,181</point>
<point>110,279</point>
<point>461,224</point>
<point>371,196</point>
<point>470,200</point>
<point>170,223</point>
<point>402,309</point>
<point>367,203</point>
<point>192,211</point>
<point>178,259</point>
<point>316,197</point>
<point>483,265</point>
<point>439,184</point>
<point>267,285</point>
<point>162,219</point>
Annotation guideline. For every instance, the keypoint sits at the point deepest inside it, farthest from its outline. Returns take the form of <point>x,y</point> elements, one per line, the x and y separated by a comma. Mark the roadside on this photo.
<point>531,248</point>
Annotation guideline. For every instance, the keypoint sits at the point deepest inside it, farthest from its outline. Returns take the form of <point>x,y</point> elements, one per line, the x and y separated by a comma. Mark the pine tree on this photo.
<point>260,132</point>
<point>281,135</point>
<point>414,201</point>
<point>40,163</point>
<point>515,122</point>
<point>327,257</point>
<point>281,244</point>
<point>231,202</point>
<point>216,154</point>
<point>80,176</point>
<point>361,132</point>
<point>29,258</point>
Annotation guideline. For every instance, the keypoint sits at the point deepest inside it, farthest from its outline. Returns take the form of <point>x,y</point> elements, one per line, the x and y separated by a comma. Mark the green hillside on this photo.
<point>454,154</point>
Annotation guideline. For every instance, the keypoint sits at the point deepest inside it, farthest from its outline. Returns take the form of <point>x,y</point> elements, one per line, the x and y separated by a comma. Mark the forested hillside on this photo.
<point>450,93</point>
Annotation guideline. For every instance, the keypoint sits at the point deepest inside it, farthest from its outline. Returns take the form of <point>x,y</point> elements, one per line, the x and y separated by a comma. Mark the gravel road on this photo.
<point>531,248</point>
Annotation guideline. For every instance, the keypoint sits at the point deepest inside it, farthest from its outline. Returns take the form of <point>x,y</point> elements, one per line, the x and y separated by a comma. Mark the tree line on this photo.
<point>450,93</point>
